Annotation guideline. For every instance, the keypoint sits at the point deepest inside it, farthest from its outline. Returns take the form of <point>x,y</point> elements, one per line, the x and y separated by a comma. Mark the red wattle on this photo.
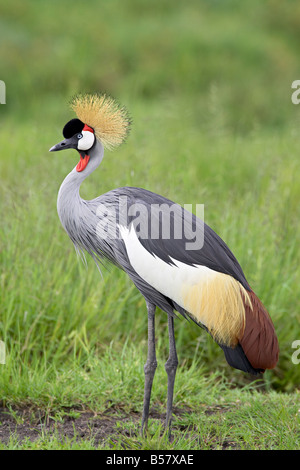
<point>88,128</point>
<point>82,163</point>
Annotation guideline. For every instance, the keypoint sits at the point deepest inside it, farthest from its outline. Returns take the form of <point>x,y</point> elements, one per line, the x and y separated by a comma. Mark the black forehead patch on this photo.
<point>72,127</point>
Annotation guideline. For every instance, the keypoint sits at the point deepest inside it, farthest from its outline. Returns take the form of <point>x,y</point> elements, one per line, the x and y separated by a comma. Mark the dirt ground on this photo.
<point>30,425</point>
<point>101,428</point>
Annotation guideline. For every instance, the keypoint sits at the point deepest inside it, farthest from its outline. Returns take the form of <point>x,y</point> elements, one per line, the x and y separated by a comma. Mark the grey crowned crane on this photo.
<point>204,283</point>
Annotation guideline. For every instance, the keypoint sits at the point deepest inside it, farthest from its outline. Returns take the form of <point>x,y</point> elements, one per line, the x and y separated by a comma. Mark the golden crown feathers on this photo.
<point>110,121</point>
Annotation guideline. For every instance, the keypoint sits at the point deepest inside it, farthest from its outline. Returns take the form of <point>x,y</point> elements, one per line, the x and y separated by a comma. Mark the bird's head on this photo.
<point>99,118</point>
<point>78,136</point>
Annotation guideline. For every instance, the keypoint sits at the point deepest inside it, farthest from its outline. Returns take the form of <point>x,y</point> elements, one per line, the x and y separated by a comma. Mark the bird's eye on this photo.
<point>79,136</point>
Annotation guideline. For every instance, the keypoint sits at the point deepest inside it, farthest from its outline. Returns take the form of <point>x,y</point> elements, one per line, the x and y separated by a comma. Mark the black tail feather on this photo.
<point>236,358</point>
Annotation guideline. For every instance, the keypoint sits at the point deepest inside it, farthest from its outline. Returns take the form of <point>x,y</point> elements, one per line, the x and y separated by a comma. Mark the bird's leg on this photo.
<point>171,366</point>
<point>150,365</point>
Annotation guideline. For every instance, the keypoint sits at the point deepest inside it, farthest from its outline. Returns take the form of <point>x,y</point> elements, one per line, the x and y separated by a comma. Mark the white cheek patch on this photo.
<point>87,140</point>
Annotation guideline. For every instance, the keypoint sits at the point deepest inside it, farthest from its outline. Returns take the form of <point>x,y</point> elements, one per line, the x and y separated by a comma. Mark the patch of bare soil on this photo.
<point>101,428</point>
<point>28,424</point>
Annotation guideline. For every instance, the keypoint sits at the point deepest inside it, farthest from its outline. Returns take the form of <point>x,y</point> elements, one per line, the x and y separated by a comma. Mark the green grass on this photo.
<point>208,86</point>
<point>213,415</point>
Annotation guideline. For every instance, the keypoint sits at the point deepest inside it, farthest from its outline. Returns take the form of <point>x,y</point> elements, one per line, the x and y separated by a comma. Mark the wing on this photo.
<point>172,233</point>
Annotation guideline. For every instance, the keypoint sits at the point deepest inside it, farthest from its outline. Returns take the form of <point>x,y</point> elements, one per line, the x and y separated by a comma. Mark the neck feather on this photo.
<point>69,200</point>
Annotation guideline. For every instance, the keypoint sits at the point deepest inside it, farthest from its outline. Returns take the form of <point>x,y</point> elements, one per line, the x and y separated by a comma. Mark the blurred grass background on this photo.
<point>208,85</point>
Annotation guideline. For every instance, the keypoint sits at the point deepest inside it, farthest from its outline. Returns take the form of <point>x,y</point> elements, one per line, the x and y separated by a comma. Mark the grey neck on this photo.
<point>73,180</point>
<point>68,195</point>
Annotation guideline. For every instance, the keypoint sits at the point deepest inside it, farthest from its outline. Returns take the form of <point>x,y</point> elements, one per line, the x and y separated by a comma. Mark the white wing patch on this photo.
<point>172,281</point>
